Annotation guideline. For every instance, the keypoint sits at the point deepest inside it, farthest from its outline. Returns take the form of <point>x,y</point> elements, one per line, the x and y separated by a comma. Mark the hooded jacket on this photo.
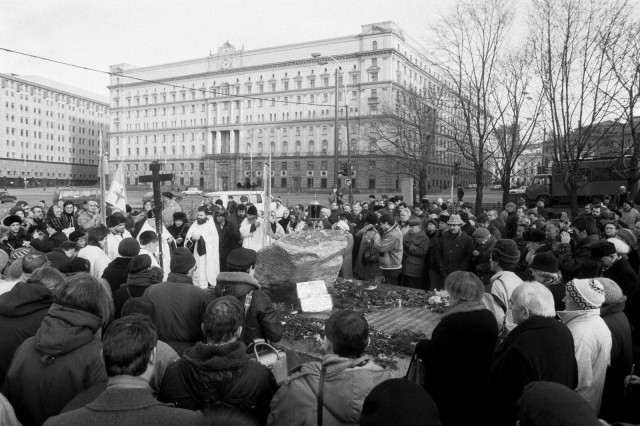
<point>22,309</point>
<point>59,362</point>
<point>592,341</point>
<point>390,248</point>
<point>261,320</point>
<point>117,272</point>
<point>347,383</point>
<point>219,375</point>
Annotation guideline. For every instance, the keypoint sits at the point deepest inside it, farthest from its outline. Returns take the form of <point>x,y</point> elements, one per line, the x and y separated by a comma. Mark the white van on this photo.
<point>255,197</point>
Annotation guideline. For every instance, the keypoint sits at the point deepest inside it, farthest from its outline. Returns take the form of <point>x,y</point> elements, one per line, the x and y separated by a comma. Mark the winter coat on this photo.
<point>117,272</point>
<point>511,225</point>
<point>69,221</point>
<point>459,352</point>
<point>592,341</point>
<point>577,263</point>
<point>49,243</point>
<point>125,405</point>
<point>229,239</point>
<point>347,383</point>
<point>178,309</point>
<point>59,362</point>
<point>390,248</point>
<point>623,274</point>
<point>558,289</point>
<point>22,310</point>
<point>213,376</point>
<point>178,232</point>
<point>135,286</point>
<point>416,247</point>
<point>483,266</point>
<point>14,241</point>
<point>621,360</point>
<point>370,238</point>
<point>88,220</point>
<point>453,253</point>
<point>261,320</point>
<point>537,349</point>
<point>97,258</point>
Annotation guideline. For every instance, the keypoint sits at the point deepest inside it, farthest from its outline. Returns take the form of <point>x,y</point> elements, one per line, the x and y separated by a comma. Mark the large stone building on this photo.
<point>50,132</point>
<point>212,121</point>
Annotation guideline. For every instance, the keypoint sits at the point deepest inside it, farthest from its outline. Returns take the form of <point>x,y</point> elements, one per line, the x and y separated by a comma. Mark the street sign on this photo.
<point>347,182</point>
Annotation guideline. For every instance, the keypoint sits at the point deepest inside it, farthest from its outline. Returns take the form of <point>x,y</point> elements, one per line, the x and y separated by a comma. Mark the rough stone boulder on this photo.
<point>302,256</point>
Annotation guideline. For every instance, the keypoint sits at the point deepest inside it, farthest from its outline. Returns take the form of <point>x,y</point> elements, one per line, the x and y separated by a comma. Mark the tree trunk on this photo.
<point>479,188</point>
<point>422,184</point>
<point>573,198</point>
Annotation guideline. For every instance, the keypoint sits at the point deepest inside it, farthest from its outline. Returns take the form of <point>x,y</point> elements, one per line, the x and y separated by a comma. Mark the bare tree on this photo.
<point>468,44</point>
<point>622,52</point>
<point>568,37</point>
<point>518,103</point>
<point>405,130</point>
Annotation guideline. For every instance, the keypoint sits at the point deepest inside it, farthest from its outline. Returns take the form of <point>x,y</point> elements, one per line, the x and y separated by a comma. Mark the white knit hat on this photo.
<point>621,246</point>
<point>587,293</point>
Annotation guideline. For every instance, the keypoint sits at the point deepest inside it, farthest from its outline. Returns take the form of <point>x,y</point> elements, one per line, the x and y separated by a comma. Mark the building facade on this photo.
<point>213,121</point>
<point>50,133</point>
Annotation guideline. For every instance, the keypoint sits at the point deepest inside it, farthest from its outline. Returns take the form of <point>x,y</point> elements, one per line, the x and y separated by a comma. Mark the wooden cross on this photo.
<point>156,178</point>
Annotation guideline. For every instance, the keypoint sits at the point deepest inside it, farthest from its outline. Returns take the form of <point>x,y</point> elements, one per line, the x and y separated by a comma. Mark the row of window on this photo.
<point>25,90</point>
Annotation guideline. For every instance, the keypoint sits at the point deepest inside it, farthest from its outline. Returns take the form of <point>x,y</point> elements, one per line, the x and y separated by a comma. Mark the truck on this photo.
<point>600,177</point>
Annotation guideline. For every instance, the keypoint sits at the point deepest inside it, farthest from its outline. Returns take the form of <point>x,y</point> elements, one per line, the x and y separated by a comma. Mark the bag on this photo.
<point>270,357</point>
<point>416,371</point>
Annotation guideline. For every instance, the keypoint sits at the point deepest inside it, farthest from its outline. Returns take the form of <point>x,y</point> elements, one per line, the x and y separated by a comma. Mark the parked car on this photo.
<point>6,197</point>
<point>520,190</point>
<point>497,187</point>
<point>192,191</point>
<point>255,197</point>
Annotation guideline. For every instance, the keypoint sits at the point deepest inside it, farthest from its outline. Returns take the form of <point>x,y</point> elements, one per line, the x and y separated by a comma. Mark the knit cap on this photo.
<point>129,247</point>
<point>481,233</point>
<point>506,251</point>
<point>612,291</point>
<point>182,261</point>
<point>586,293</point>
<point>139,263</point>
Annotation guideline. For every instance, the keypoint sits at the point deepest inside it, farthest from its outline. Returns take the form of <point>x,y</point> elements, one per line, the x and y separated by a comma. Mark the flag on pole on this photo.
<point>117,195</point>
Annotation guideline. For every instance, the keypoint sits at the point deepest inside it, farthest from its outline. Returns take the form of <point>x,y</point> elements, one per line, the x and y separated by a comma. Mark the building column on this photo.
<point>210,142</point>
<point>232,141</point>
<point>218,144</point>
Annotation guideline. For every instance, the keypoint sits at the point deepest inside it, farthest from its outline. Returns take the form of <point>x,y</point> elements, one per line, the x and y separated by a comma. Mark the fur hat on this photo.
<point>505,251</point>
<point>180,216</point>
<point>129,247</point>
<point>76,235</point>
<point>9,220</point>
<point>16,209</point>
<point>621,246</point>
<point>443,218</point>
<point>252,211</point>
<point>167,194</point>
<point>182,261</point>
<point>587,293</point>
<point>545,262</point>
<point>414,221</point>
<point>113,221</point>
<point>602,249</point>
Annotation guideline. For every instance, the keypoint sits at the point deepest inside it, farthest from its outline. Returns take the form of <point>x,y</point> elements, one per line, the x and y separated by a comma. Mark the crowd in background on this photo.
<point>96,325</point>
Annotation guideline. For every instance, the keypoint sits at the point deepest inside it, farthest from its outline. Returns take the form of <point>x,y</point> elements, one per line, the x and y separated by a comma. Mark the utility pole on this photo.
<point>336,135</point>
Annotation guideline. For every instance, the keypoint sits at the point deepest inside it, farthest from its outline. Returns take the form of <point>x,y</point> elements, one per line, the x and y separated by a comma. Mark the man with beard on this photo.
<point>16,236</point>
<point>202,238</point>
<point>250,230</point>
<point>238,216</point>
<point>179,228</point>
<point>228,237</point>
<point>117,233</point>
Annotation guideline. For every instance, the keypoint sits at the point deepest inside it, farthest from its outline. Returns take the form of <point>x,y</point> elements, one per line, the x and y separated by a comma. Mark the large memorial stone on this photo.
<point>301,256</point>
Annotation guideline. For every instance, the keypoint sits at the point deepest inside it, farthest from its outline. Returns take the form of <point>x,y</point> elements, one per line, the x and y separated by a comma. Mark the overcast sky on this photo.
<point>101,33</point>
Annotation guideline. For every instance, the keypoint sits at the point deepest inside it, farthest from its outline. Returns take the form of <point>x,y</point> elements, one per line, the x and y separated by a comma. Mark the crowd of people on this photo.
<point>145,320</point>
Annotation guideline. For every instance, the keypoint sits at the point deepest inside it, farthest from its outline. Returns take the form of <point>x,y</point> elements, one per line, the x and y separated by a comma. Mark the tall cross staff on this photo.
<point>155,178</point>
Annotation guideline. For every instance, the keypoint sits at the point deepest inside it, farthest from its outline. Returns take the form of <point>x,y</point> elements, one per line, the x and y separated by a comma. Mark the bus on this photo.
<point>600,177</point>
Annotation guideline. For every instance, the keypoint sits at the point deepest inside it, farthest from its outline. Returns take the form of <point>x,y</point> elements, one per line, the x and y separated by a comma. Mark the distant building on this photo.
<point>212,121</point>
<point>49,132</point>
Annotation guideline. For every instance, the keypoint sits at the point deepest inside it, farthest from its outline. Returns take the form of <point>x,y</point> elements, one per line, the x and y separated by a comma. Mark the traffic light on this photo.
<point>343,169</point>
<point>456,168</point>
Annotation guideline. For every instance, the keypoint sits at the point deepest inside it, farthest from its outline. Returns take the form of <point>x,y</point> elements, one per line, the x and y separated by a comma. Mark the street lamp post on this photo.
<point>336,133</point>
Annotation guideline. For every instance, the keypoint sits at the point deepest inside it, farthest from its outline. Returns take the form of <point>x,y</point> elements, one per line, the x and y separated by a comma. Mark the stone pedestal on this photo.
<point>301,256</point>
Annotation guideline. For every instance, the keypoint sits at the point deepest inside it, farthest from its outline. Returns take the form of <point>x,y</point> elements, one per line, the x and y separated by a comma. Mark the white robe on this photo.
<point>251,240</point>
<point>166,252</point>
<point>113,242</point>
<point>209,264</point>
